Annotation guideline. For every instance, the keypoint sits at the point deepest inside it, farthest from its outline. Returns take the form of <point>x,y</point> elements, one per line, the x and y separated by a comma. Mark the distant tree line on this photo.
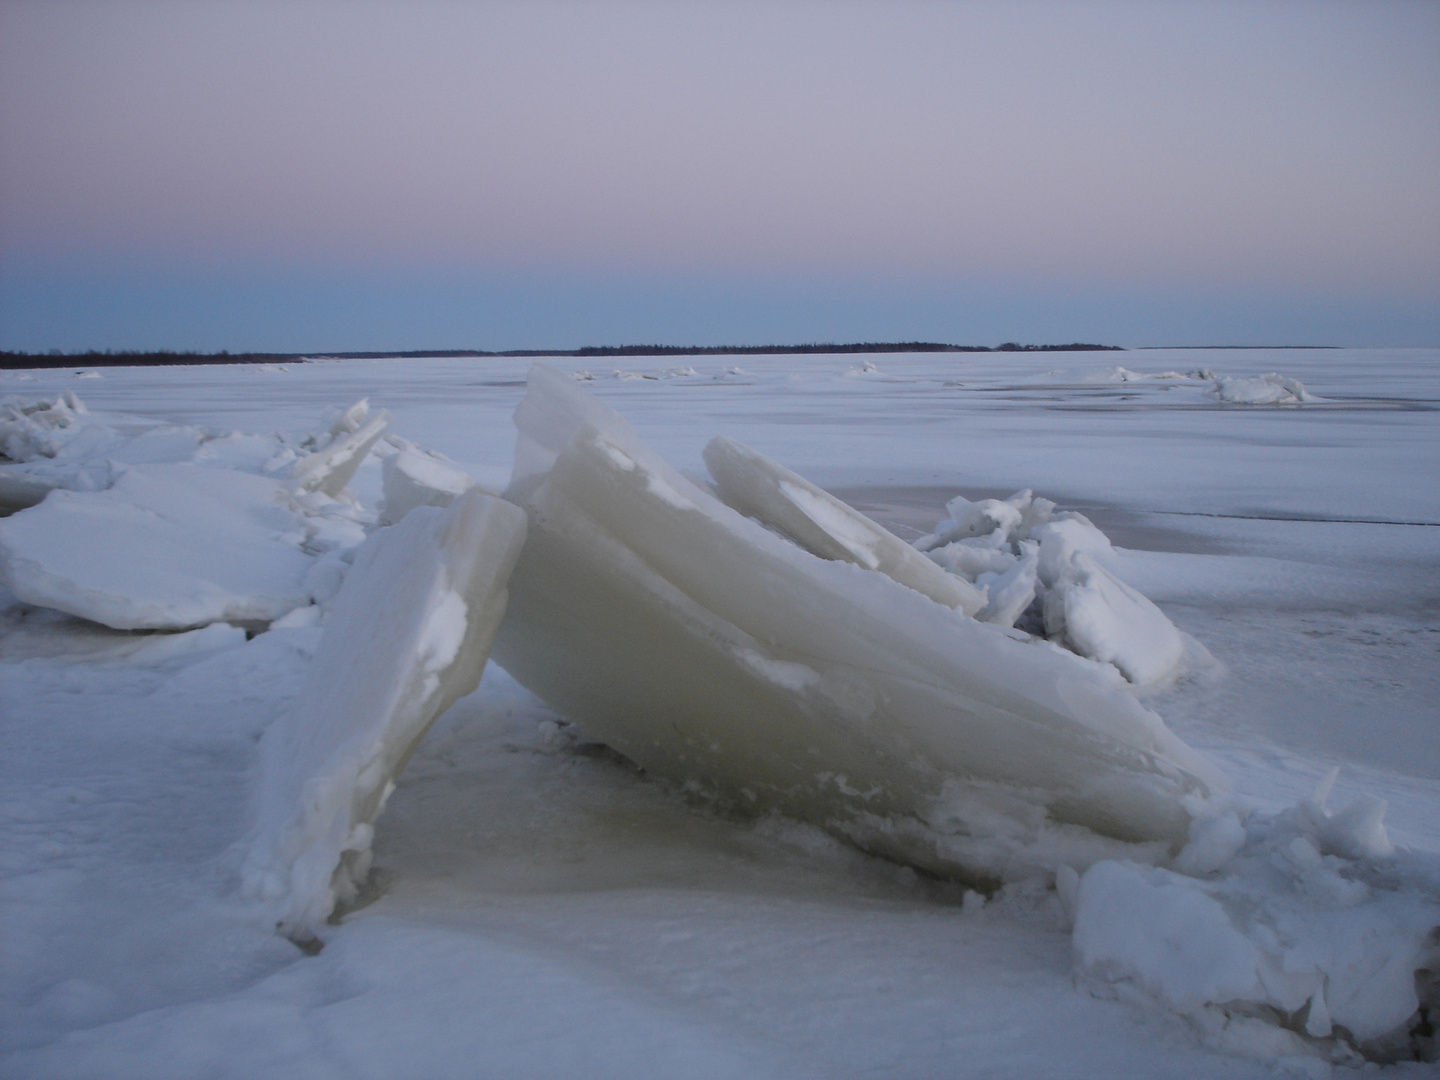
<point>123,358</point>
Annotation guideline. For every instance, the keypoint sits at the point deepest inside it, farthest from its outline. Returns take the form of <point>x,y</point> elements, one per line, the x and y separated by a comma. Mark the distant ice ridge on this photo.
<point>1271,388</point>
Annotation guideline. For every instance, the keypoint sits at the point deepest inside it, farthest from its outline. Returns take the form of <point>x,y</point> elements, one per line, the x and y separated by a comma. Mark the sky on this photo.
<point>318,176</point>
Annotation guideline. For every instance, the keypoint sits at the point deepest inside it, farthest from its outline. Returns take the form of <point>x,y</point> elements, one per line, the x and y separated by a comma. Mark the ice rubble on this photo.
<point>721,655</point>
<point>139,524</point>
<point>409,633</point>
<point>1025,557</point>
<point>1295,933</point>
<point>781,651</point>
<point>713,651</point>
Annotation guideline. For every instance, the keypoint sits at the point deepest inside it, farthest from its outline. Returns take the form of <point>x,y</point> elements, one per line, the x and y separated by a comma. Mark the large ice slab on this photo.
<point>763,489</point>
<point>414,478</point>
<point>409,633</point>
<point>716,653</point>
<point>165,547</point>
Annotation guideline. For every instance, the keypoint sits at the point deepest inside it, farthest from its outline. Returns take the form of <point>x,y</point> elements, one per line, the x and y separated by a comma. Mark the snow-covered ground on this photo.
<point>540,908</point>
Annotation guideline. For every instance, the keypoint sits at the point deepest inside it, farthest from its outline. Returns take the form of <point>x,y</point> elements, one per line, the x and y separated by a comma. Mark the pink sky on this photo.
<point>1171,146</point>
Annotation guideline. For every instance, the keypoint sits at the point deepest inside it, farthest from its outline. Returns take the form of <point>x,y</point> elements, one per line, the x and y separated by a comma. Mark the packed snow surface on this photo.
<point>539,906</point>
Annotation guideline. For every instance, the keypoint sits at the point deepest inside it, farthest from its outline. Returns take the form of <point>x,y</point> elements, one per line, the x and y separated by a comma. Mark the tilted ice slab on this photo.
<point>409,633</point>
<point>754,485</point>
<point>165,547</point>
<point>414,478</point>
<point>716,653</point>
<point>329,467</point>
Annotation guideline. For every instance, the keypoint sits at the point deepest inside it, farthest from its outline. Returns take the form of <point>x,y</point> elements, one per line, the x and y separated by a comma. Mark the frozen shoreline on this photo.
<point>120,834</point>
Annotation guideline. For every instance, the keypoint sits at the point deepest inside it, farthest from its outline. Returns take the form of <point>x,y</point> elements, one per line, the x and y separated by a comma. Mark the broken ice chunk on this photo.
<point>751,483</point>
<point>1101,617</point>
<point>1271,388</point>
<point>414,478</point>
<point>1010,593</point>
<point>1096,613</point>
<point>1281,933</point>
<point>971,558</point>
<point>166,547</point>
<point>409,633</point>
<point>330,468</point>
<point>996,518</point>
<point>716,653</point>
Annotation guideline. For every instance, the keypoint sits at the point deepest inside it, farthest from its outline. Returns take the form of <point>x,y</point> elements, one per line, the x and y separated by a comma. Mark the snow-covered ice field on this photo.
<point>541,908</point>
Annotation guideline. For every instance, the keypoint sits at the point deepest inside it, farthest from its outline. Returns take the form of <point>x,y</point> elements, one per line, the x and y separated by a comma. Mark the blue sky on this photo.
<point>328,176</point>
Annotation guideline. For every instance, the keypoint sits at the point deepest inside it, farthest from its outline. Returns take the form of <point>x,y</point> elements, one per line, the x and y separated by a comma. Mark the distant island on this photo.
<point>125,358</point>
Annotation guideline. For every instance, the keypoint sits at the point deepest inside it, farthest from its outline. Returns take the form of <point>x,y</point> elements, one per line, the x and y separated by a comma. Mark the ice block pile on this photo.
<point>964,705</point>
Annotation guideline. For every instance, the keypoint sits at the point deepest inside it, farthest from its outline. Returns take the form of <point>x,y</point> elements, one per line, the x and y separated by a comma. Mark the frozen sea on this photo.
<point>543,910</point>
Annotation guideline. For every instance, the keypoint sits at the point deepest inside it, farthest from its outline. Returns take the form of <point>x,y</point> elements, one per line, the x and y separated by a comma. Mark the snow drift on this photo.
<point>720,655</point>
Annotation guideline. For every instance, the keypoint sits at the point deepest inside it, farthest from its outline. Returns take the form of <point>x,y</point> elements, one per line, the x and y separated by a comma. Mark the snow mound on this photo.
<point>1304,937</point>
<point>726,658</point>
<point>409,633</point>
<point>1048,573</point>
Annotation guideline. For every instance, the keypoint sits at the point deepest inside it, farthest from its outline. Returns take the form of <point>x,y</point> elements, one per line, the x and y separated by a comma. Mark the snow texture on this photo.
<point>409,634</point>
